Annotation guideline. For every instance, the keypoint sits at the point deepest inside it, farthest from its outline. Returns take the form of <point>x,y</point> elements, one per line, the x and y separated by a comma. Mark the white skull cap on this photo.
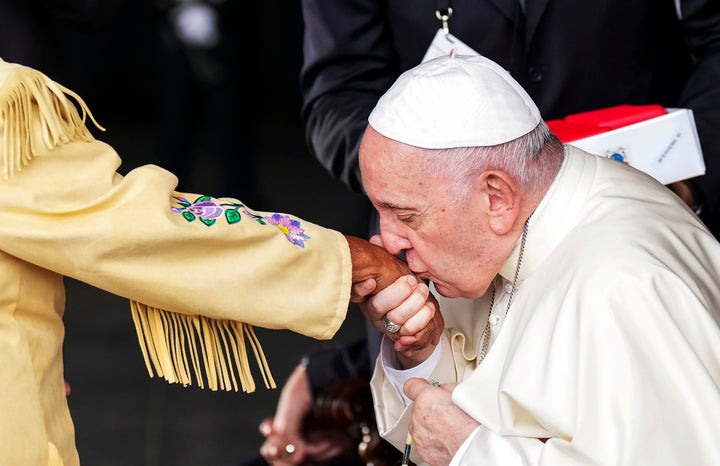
<point>455,101</point>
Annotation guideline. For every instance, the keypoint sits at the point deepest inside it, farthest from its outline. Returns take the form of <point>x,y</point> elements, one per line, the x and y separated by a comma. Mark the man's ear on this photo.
<point>503,201</point>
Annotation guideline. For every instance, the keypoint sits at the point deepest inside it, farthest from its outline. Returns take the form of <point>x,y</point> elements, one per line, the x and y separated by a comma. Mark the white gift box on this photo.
<point>665,146</point>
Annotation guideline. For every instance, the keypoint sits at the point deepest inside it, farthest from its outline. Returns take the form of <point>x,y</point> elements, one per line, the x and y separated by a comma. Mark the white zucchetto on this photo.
<point>455,101</point>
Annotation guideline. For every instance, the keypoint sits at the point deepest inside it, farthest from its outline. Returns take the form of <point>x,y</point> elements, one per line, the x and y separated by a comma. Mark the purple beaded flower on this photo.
<point>206,210</point>
<point>290,227</point>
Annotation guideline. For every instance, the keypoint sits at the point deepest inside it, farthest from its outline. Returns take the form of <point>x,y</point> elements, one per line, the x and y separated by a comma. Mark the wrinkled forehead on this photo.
<point>379,153</point>
<point>392,171</point>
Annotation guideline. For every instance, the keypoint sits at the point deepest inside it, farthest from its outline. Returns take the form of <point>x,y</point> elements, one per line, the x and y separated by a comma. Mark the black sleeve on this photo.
<point>701,22</point>
<point>349,62</point>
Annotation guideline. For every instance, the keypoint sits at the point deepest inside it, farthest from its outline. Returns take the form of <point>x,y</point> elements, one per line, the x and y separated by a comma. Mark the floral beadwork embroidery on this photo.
<point>289,226</point>
<point>207,211</point>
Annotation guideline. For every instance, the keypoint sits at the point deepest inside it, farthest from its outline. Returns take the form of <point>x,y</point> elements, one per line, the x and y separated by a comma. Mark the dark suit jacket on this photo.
<point>570,55</point>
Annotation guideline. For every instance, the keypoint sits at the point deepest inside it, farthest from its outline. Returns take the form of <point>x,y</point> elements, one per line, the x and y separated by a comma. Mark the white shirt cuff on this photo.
<point>398,376</point>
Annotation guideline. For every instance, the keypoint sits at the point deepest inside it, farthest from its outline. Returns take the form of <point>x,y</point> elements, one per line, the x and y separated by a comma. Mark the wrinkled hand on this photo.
<point>287,428</point>
<point>409,303</point>
<point>438,427</point>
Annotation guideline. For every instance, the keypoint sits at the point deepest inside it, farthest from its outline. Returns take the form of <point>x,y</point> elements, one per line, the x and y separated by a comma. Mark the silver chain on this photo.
<point>486,331</point>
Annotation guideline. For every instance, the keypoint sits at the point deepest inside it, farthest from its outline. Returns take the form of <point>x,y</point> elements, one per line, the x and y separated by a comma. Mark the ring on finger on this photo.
<point>391,326</point>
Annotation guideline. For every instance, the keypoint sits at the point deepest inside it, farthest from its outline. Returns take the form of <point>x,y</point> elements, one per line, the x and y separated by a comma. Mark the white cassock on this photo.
<point>611,347</point>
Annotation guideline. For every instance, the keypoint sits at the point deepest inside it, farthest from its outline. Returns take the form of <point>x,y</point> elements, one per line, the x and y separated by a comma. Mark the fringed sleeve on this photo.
<point>37,119</point>
<point>28,94</point>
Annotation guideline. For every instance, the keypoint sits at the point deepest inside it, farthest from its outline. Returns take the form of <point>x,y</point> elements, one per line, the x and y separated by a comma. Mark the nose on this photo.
<point>394,242</point>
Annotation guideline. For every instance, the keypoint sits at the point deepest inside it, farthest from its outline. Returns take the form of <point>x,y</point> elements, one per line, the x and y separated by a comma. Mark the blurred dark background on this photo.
<point>225,118</point>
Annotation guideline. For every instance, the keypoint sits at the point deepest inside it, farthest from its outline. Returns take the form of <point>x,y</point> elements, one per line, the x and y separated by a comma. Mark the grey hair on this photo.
<point>532,159</point>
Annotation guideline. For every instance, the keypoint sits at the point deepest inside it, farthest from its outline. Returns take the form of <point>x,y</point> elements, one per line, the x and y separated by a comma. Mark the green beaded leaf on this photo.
<point>232,216</point>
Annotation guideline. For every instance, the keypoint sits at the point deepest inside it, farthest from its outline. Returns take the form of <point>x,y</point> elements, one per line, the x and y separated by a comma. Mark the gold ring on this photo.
<point>290,448</point>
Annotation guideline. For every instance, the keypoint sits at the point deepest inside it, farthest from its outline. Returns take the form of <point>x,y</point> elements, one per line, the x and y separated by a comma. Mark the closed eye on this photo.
<point>403,214</point>
<point>406,218</point>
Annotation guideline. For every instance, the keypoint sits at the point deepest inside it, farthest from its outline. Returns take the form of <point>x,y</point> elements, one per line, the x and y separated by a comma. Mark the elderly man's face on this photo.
<point>446,240</point>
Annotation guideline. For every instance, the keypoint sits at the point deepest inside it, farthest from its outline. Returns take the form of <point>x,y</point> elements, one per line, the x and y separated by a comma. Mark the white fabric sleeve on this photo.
<point>398,377</point>
<point>484,447</point>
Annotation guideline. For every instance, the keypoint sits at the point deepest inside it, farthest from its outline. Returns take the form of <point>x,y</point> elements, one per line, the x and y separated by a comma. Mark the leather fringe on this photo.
<point>27,95</point>
<point>177,347</point>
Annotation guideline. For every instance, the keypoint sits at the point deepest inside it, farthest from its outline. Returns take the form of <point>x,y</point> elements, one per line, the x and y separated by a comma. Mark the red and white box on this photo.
<point>662,142</point>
